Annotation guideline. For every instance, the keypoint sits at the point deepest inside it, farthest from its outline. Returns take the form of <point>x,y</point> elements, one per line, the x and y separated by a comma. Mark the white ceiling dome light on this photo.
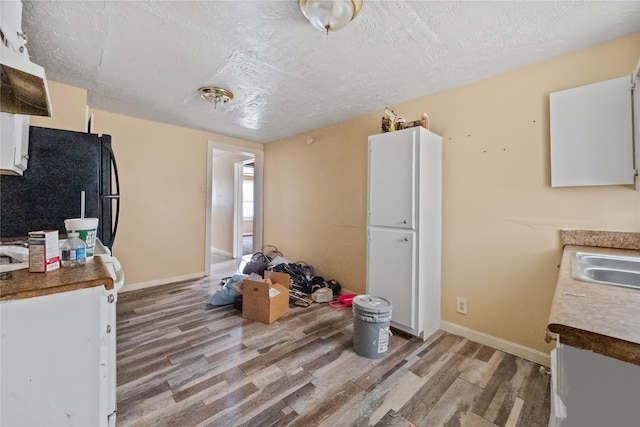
<point>330,15</point>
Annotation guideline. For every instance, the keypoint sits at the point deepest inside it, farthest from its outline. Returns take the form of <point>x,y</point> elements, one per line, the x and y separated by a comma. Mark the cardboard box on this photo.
<point>267,300</point>
<point>43,251</point>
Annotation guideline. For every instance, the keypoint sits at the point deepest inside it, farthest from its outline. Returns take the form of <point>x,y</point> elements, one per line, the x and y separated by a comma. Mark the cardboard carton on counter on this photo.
<point>265,300</point>
<point>44,254</point>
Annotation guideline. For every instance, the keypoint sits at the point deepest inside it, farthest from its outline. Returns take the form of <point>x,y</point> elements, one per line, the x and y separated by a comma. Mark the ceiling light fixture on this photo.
<point>330,15</point>
<point>215,94</point>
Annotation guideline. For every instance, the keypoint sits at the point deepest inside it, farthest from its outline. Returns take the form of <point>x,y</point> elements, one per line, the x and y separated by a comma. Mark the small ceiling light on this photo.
<point>330,15</point>
<point>215,94</point>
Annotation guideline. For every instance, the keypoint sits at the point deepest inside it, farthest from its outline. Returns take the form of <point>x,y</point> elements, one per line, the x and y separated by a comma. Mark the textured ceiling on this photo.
<point>148,58</point>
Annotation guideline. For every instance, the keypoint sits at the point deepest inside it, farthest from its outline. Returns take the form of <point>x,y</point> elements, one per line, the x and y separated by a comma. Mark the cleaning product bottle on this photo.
<point>73,251</point>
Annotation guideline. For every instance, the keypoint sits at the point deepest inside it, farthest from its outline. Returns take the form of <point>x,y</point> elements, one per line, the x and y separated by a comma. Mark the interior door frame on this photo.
<point>238,203</point>
<point>258,173</point>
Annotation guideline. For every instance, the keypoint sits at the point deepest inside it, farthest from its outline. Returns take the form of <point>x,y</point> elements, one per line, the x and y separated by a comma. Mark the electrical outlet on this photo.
<point>461,305</point>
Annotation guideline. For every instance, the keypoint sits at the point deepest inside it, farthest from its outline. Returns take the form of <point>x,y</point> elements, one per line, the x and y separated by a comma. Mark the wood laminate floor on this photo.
<point>184,363</point>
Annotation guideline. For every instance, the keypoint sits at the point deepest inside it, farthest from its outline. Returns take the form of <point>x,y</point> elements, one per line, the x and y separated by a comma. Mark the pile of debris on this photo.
<point>305,287</point>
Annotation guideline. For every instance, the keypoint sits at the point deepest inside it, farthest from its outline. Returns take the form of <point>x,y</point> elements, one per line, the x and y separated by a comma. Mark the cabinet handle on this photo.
<point>548,338</point>
<point>110,298</point>
<point>405,222</point>
<point>406,239</point>
<point>108,329</point>
<point>544,371</point>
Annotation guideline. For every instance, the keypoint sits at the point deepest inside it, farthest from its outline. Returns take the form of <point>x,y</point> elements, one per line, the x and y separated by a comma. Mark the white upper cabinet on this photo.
<point>392,186</point>
<point>592,134</point>
<point>14,143</point>
<point>11,24</point>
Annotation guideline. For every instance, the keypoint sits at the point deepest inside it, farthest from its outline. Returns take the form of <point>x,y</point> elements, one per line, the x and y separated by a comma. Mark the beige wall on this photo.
<point>69,105</point>
<point>162,170</point>
<point>500,216</point>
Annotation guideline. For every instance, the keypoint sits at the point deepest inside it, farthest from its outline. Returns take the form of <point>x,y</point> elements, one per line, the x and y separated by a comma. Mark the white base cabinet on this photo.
<point>404,226</point>
<point>57,359</point>
<point>592,390</point>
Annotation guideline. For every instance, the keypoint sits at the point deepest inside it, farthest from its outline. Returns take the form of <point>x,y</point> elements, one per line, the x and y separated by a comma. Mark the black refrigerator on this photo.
<point>61,165</point>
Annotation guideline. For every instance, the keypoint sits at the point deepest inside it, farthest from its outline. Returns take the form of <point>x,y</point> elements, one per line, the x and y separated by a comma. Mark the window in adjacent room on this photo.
<point>247,192</point>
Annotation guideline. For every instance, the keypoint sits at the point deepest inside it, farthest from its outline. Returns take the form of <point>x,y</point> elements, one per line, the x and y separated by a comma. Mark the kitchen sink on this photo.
<point>609,261</point>
<point>606,269</point>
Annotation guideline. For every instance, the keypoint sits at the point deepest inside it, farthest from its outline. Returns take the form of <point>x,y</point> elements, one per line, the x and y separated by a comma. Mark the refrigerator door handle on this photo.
<point>115,196</point>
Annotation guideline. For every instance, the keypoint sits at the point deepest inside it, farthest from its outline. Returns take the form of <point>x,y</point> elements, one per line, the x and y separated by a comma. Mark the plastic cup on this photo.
<point>87,229</point>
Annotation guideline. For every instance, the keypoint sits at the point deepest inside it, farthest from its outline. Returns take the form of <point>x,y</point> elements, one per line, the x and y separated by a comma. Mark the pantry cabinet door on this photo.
<point>392,183</point>
<point>391,273</point>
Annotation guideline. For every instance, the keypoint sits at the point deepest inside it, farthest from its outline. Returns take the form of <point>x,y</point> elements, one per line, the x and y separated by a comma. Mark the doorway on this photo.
<point>228,228</point>
<point>243,207</point>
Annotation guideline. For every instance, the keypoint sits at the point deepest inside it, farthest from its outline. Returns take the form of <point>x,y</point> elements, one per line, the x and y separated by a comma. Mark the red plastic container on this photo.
<point>343,301</point>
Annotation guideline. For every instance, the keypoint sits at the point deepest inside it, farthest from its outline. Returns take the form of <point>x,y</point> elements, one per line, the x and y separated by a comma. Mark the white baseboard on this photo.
<point>497,343</point>
<point>221,252</point>
<point>158,282</point>
<point>345,291</point>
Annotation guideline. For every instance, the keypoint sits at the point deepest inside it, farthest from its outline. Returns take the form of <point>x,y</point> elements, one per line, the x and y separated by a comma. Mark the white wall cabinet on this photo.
<point>14,143</point>
<point>592,390</point>
<point>404,226</point>
<point>11,24</point>
<point>591,134</point>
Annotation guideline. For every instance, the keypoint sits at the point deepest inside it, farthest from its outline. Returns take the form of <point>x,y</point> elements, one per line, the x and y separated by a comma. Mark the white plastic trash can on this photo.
<point>371,318</point>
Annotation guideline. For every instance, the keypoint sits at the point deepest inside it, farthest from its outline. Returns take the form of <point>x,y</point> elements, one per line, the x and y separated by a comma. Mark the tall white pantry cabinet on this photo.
<point>404,226</point>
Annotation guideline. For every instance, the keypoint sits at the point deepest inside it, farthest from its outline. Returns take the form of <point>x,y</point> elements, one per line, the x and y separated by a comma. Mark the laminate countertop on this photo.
<point>597,317</point>
<point>27,285</point>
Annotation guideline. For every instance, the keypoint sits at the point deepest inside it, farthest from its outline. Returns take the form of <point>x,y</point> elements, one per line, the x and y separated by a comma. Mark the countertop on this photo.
<point>27,285</point>
<point>597,317</point>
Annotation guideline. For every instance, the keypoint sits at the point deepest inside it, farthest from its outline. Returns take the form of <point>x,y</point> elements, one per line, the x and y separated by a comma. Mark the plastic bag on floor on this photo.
<point>228,293</point>
<point>277,261</point>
